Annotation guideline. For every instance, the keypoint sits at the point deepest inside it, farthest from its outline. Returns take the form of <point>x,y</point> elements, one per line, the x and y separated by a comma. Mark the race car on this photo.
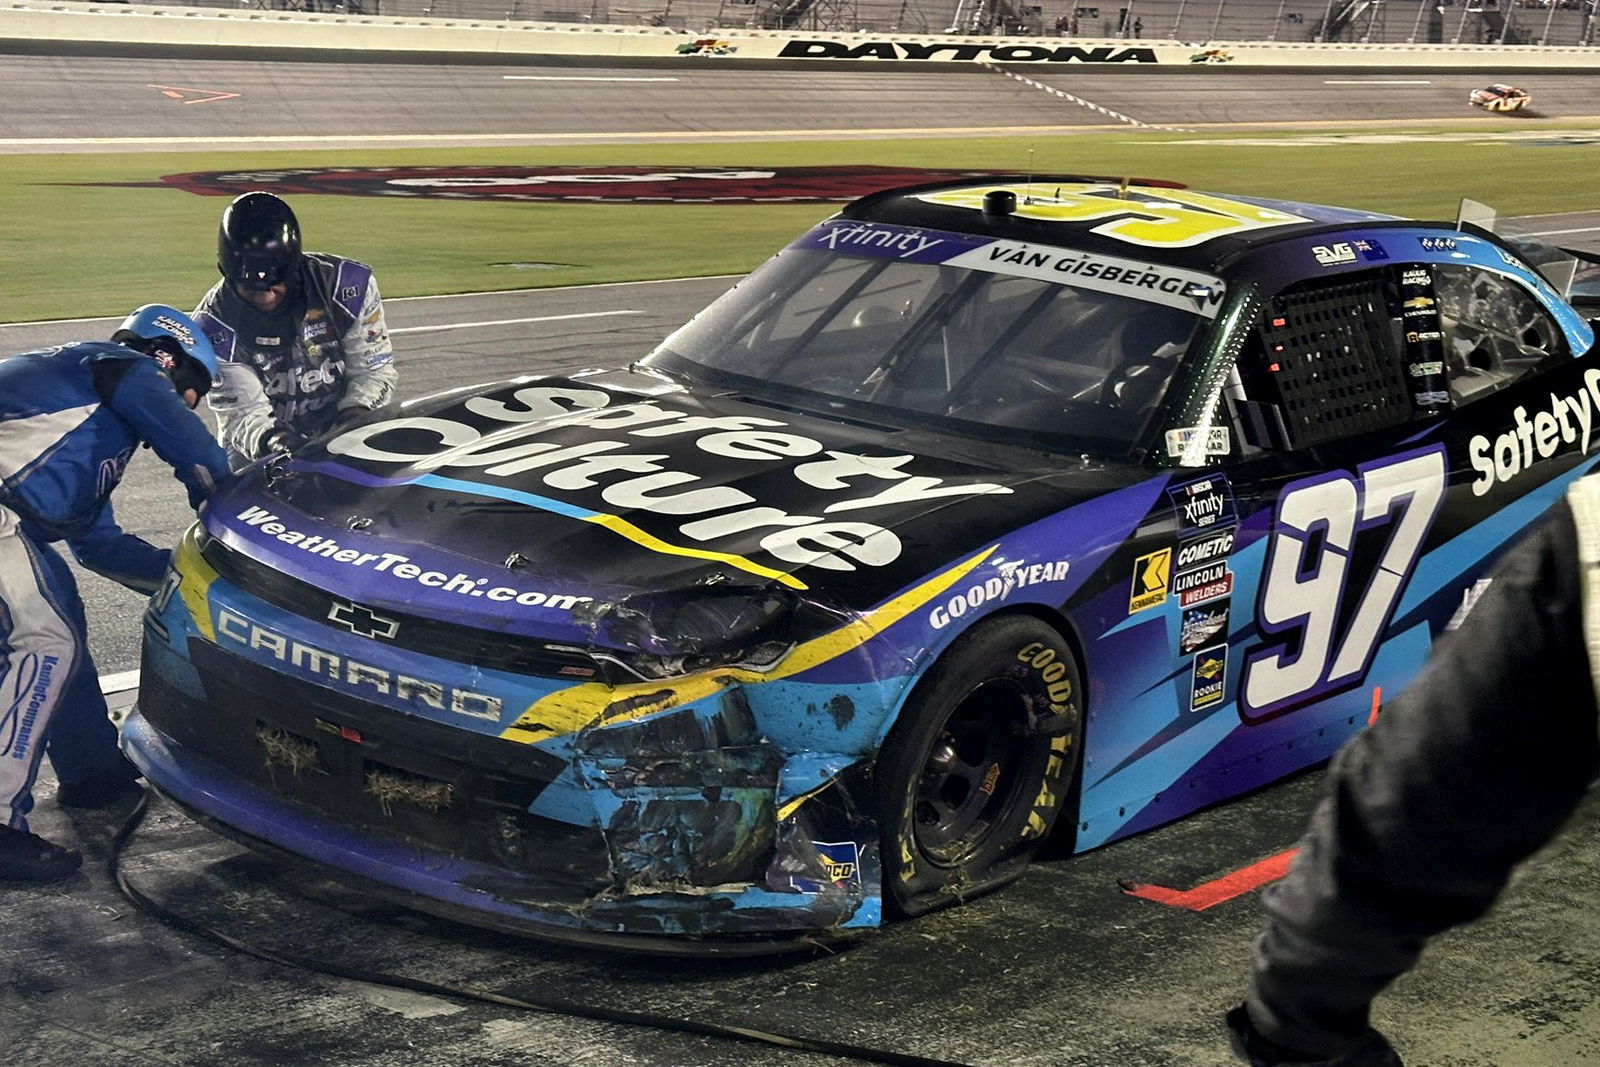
<point>1499,97</point>
<point>987,512</point>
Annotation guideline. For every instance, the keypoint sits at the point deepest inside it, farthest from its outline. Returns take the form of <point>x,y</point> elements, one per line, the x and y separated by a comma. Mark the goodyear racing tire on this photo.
<point>979,764</point>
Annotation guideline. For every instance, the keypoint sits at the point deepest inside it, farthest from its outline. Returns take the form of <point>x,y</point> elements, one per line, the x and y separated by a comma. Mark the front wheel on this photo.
<point>979,765</point>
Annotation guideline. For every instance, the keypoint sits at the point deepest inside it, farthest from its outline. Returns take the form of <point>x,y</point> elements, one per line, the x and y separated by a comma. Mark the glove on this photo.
<point>282,441</point>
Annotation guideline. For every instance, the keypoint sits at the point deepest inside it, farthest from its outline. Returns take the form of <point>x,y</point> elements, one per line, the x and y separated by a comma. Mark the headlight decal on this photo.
<point>596,703</point>
<point>195,578</point>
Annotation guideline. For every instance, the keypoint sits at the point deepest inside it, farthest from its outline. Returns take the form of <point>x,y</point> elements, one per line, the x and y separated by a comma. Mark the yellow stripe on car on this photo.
<point>599,704</point>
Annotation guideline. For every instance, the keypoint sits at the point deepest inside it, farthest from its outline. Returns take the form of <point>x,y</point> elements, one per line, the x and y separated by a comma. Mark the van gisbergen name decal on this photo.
<point>1170,286</point>
<point>965,52</point>
<point>626,464</point>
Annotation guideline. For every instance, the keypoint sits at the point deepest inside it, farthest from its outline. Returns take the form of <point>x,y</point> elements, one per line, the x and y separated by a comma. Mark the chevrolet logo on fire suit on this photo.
<point>363,622</point>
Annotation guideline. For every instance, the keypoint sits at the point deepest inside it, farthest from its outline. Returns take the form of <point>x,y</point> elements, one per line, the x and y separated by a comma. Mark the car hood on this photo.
<point>534,506</point>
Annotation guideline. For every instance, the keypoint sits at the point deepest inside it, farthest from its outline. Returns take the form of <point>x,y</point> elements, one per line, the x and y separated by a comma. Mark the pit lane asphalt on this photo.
<point>1062,968</point>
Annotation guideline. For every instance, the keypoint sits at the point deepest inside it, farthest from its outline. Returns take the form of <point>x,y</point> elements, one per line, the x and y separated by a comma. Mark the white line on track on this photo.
<point>1557,233</point>
<point>119,682</point>
<point>436,327</point>
<point>1373,81</point>
<point>575,78</point>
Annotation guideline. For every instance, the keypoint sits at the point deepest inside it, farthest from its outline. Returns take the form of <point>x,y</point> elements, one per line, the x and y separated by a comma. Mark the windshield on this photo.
<point>971,334</point>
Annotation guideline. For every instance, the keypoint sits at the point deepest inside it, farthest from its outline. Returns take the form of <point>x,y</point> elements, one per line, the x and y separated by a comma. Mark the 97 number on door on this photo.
<point>1301,591</point>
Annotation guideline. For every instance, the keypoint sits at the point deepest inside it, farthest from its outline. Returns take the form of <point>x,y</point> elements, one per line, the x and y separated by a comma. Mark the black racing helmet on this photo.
<point>258,243</point>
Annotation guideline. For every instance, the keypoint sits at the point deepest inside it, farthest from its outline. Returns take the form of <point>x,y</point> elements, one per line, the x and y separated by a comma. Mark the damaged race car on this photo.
<point>983,514</point>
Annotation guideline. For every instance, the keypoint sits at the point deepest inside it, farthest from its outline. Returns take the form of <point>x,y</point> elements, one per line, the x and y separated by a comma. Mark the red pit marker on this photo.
<point>1210,894</point>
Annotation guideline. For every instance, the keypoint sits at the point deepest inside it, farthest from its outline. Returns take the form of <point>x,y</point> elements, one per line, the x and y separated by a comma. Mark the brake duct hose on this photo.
<point>550,1005</point>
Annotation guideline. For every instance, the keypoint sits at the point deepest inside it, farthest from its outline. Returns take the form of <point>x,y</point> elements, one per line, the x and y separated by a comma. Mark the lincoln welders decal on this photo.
<point>944,53</point>
<point>665,184</point>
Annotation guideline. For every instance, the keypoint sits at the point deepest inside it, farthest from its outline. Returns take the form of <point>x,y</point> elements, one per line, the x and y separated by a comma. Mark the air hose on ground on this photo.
<point>550,1005</point>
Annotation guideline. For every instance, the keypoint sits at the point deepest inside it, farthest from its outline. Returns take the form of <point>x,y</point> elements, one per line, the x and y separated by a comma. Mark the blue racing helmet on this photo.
<point>155,322</point>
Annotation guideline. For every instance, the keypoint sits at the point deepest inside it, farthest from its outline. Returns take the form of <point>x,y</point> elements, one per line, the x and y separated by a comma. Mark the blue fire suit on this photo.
<point>70,419</point>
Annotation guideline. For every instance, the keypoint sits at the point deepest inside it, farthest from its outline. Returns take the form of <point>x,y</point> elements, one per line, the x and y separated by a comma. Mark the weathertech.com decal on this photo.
<point>694,185</point>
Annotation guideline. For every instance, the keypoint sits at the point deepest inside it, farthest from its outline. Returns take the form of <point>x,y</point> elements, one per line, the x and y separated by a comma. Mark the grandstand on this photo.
<point>1195,22</point>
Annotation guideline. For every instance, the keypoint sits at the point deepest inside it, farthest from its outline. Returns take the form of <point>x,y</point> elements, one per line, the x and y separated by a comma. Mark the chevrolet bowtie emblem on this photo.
<point>363,622</point>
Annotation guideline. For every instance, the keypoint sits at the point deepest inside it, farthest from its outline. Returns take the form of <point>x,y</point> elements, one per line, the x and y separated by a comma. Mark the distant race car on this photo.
<point>1499,97</point>
<point>983,512</point>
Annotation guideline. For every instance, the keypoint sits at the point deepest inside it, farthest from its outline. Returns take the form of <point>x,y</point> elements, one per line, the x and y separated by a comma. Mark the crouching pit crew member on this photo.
<point>300,336</point>
<point>70,419</point>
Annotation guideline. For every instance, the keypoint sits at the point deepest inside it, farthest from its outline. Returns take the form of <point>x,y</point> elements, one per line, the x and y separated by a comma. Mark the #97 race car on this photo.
<point>1499,97</point>
<point>982,514</point>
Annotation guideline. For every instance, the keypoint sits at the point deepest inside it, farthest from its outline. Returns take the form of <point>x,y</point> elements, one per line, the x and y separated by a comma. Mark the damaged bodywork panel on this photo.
<point>981,514</point>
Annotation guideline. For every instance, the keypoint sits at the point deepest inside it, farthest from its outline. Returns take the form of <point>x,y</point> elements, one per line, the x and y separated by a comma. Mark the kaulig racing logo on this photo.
<point>626,458</point>
<point>1565,421</point>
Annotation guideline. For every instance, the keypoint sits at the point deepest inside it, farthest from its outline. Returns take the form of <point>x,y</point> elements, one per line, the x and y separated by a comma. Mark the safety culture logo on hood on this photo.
<point>625,463</point>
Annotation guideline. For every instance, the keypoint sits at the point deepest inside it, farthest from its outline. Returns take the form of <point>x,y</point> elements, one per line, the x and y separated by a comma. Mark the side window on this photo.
<point>1324,363</point>
<point>1495,332</point>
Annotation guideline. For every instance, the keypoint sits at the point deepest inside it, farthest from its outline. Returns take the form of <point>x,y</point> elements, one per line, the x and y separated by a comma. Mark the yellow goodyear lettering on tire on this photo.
<point>1047,801</point>
<point>1169,218</point>
<point>598,704</point>
<point>1052,670</point>
<point>195,578</point>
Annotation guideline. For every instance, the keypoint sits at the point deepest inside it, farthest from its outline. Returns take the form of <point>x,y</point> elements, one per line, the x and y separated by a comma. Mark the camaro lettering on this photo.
<point>1567,420</point>
<point>342,670</point>
<point>709,512</point>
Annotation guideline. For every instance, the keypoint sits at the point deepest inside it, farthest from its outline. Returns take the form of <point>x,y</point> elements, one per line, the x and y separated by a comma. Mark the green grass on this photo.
<point>70,248</point>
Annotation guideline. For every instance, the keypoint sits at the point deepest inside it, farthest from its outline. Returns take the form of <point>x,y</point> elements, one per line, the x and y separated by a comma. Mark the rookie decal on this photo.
<point>1209,679</point>
<point>1564,421</point>
<point>998,53</point>
<point>1149,580</point>
<point>667,184</point>
<point>1202,627</point>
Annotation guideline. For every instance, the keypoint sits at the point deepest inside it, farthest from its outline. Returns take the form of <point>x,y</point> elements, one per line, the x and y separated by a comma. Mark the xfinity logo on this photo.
<point>363,622</point>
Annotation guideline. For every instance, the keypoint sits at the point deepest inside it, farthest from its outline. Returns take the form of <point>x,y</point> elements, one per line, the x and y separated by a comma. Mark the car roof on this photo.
<point>1157,221</point>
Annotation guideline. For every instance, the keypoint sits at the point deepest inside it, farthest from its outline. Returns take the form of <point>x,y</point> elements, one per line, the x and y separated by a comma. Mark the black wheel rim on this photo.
<point>970,774</point>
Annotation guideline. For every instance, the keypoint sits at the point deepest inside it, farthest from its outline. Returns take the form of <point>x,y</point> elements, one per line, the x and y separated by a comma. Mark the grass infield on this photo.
<point>71,246</point>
